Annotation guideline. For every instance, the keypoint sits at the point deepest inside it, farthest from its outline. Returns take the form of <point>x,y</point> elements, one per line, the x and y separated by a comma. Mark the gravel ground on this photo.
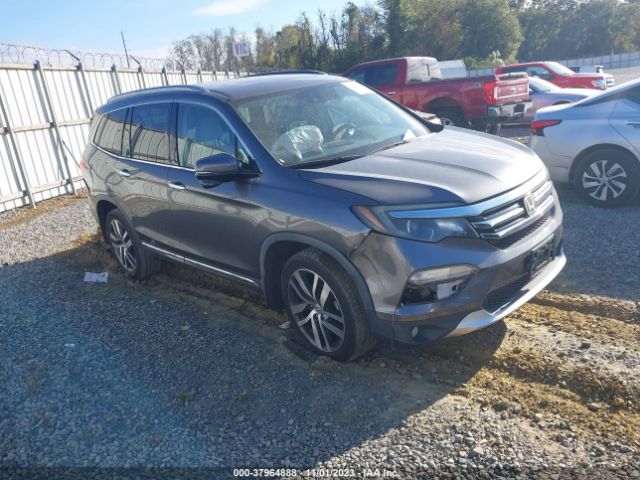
<point>188,375</point>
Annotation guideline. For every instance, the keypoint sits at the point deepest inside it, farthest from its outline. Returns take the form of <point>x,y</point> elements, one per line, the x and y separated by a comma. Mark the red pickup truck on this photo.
<point>560,75</point>
<point>416,82</point>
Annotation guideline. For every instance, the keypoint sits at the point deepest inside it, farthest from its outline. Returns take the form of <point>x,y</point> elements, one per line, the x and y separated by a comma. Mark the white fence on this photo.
<point>45,113</point>
<point>609,62</point>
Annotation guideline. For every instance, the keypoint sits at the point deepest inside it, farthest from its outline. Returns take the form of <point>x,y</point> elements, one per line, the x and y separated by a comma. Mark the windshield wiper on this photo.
<point>396,144</point>
<point>326,162</point>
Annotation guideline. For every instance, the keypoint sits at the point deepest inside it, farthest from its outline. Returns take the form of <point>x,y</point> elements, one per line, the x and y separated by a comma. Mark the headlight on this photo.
<point>422,229</point>
<point>599,83</point>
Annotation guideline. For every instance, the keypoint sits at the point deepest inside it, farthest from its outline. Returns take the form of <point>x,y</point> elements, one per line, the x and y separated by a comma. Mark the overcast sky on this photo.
<point>150,26</point>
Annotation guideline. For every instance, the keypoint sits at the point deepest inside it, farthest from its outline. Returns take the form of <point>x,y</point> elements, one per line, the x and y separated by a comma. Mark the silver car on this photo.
<point>594,144</point>
<point>544,94</point>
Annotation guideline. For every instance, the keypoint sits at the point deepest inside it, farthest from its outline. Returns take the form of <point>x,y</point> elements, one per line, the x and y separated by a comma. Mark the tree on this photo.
<point>265,48</point>
<point>396,22</point>
<point>489,25</point>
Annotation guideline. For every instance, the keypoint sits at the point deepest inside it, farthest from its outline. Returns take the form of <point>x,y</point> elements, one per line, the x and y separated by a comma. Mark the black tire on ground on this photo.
<point>451,116</point>
<point>127,248</point>
<point>317,324</point>
<point>494,128</point>
<point>608,177</point>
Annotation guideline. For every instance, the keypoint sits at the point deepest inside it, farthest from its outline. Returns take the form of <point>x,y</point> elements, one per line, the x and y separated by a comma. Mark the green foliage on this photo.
<point>483,32</point>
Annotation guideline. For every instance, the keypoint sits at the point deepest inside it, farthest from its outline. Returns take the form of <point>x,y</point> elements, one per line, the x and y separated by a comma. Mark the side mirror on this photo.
<point>221,167</point>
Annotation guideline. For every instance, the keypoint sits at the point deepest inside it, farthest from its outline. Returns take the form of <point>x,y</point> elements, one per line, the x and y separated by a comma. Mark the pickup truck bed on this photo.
<point>480,102</point>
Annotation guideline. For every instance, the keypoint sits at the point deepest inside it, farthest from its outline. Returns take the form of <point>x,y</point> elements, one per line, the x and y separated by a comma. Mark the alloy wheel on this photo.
<point>604,180</point>
<point>316,310</point>
<point>122,245</point>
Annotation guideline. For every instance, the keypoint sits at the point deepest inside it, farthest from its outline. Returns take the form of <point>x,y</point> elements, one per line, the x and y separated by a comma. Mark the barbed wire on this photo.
<point>26,54</point>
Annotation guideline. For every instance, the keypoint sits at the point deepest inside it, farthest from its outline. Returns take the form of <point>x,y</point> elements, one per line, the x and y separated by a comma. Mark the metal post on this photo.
<point>165,77</point>
<point>143,82</point>
<point>64,160</point>
<point>115,79</point>
<point>87,92</point>
<point>16,153</point>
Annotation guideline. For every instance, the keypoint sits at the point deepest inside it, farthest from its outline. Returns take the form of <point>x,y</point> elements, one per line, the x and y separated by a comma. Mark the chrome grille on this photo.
<point>500,223</point>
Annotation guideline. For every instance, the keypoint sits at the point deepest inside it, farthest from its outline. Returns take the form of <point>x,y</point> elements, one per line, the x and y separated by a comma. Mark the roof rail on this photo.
<point>288,72</point>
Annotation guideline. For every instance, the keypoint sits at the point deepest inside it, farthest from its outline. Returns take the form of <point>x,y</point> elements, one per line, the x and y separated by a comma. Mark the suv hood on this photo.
<point>454,165</point>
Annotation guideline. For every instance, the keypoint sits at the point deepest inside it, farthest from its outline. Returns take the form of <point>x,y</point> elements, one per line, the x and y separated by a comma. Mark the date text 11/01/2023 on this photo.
<point>314,472</point>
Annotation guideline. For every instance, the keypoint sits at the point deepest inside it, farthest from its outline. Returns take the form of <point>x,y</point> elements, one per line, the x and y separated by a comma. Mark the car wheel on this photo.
<point>324,305</point>
<point>127,248</point>
<point>452,116</point>
<point>608,177</point>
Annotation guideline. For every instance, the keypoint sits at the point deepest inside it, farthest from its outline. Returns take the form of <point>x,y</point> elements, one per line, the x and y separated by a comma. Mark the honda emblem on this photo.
<point>530,204</point>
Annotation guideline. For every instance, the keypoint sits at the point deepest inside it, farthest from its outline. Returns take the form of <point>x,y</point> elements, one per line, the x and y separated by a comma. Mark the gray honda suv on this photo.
<point>358,217</point>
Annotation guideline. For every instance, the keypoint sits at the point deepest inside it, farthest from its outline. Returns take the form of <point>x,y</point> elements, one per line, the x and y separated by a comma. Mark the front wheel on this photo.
<point>608,177</point>
<point>323,304</point>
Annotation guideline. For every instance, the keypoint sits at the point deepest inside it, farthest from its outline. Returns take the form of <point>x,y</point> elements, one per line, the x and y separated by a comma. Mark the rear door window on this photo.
<point>376,75</point>
<point>149,132</point>
<point>108,135</point>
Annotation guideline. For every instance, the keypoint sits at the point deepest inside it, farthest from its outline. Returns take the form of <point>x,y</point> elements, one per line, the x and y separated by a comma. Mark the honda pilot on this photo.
<point>357,216</point>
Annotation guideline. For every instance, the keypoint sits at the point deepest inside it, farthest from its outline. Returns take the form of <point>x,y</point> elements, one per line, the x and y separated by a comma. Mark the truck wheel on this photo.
<point>494,128</point>
<point>324,307</point>
<point>608,177</point>
<point>452,116</point>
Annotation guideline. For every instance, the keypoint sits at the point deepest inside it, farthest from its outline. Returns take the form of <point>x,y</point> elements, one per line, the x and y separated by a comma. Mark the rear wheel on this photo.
<point>451,116</point>
<point>608,177</point>
<point>323,305</point>
<point>127,248</point>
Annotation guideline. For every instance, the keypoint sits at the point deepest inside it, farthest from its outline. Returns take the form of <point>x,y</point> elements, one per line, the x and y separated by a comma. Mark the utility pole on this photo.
<point>124,44</point>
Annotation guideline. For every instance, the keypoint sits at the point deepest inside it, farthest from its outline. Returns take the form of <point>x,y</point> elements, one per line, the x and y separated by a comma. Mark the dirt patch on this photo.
<point>24,214</point>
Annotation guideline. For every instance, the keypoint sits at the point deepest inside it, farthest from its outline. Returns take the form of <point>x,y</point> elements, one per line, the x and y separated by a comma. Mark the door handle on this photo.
<point>393,92</point>
<point>634,124</point>
<point>177,185</point>
<point>124,172</point>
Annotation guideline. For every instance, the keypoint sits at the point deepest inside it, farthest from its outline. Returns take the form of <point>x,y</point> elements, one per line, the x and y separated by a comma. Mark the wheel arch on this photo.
<point>595,148</point>
<point>279,247</point>
<point>443,102</point>
<point>103,207</point>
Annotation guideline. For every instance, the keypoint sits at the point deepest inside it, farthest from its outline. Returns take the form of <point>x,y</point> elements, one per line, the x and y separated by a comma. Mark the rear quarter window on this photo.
<point>108,133</point>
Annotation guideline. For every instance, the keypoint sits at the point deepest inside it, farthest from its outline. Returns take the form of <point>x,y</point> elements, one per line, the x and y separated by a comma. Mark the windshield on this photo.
<point>327,123</point>
<point>540,85</point>
<point>560,69</point>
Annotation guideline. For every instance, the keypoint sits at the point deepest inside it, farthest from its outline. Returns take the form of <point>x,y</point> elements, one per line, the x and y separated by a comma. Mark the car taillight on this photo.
<point>538,126</point>
<point>490,93</point>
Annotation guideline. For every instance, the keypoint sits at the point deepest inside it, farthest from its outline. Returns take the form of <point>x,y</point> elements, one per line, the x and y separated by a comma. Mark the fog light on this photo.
<point>434,284</point>
<point>414,332</point>
<point>442,274</point>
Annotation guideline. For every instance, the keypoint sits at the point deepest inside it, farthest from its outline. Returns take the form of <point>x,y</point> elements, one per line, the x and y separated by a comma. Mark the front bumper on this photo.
<point>503,113</point>
<point>500,285</point>
<point>481,318</point>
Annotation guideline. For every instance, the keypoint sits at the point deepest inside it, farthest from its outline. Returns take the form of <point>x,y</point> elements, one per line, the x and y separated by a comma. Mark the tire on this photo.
<point>127,248</point>
<point>621,177</point>
<point>451,116</point>
<point>494,128</point>
<point>331,322</point>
